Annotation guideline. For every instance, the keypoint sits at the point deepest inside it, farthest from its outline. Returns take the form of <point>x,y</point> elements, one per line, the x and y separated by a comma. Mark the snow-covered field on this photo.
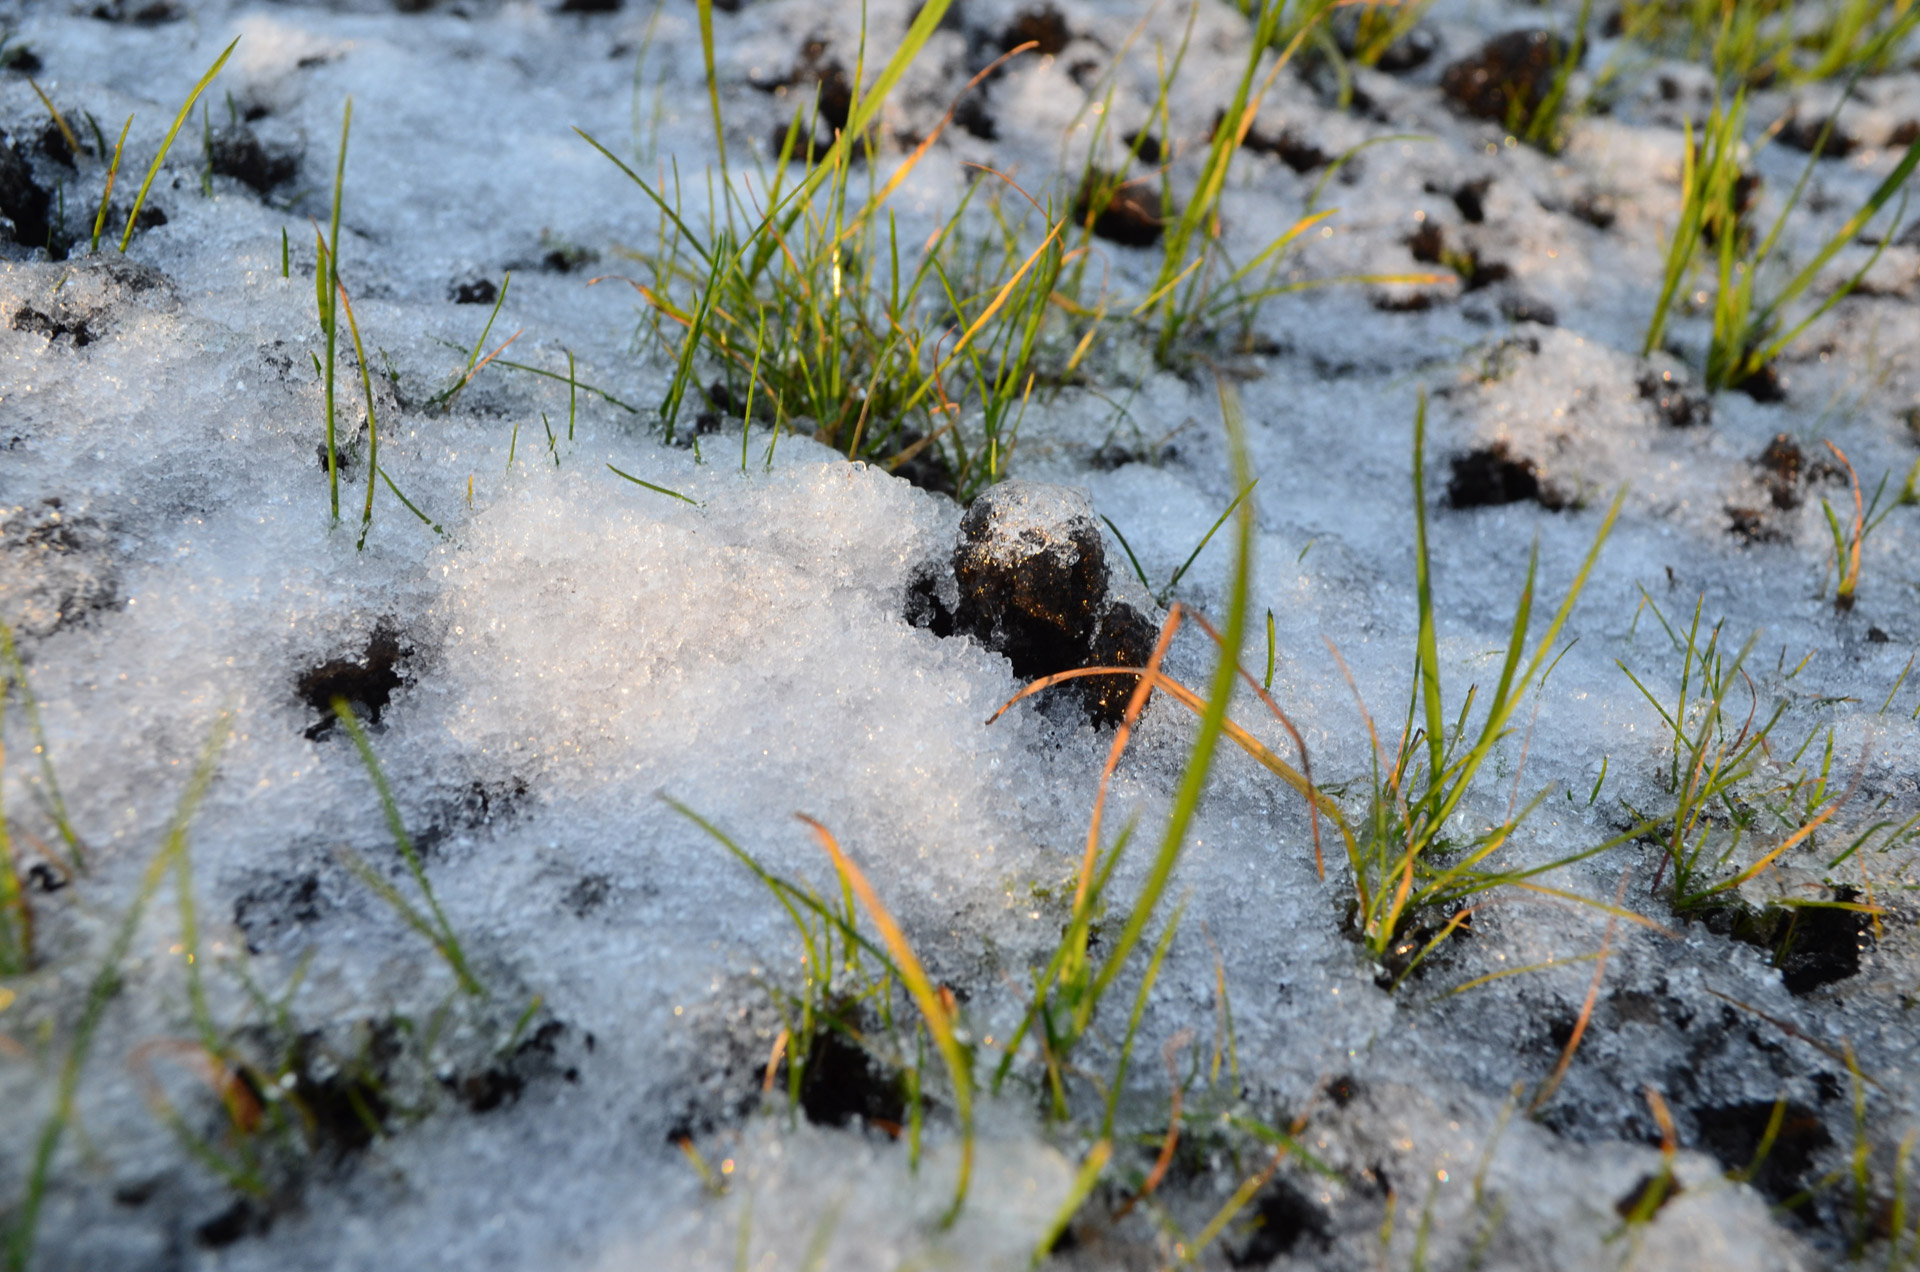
<point>562,648</point>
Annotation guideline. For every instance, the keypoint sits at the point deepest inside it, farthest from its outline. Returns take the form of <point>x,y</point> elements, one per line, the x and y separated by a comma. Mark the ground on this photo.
<point>554,666</point>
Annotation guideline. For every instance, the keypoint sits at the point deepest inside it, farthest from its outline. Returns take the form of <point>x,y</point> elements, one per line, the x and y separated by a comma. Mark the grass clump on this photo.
<point>798,299</point>
<point>1409,858</point>
<point>1750,313</point>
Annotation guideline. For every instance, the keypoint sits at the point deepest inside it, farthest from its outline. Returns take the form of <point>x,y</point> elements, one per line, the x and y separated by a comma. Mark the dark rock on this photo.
<point>237,152</point>
<point>1490,476</point>
<point>1131,214</point>
<point>1507,79</point>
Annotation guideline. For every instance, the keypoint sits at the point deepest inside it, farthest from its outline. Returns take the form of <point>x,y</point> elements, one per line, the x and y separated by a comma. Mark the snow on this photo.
<point>576,646</point>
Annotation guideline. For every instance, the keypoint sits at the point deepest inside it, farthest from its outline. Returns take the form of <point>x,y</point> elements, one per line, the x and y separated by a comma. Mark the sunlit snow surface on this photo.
<point>577,646</point>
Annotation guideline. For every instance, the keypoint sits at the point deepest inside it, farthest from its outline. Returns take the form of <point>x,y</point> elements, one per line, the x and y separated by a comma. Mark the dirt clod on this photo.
<point>1733,1133</point>
<point>1282,1217</point>
<point>1507,79</point>
<point>1130,215</point>
<point>22,201</point>
<point>367,683</point>
<point>1045,27</point>
<point>843,1082</point>
<point>1489,476</point>
<point>238,152</point>
<point>1678,404</point>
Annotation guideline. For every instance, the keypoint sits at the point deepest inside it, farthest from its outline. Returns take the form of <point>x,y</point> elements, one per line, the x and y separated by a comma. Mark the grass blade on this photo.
<point>154,171</point>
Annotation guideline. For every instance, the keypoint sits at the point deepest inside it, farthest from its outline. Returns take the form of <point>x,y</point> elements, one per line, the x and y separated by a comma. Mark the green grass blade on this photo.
<point>186,108</point>
<point>1193,782</point>
<point>105,983</point>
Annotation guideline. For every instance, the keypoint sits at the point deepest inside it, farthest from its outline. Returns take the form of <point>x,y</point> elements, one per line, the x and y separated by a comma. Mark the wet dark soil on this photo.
<point>1494,475</point>
<point>1282,1218</point>
<point>238,152</point>
<point>1507,79</point>
<point>844,1082</point>
<point>1129,211</point>
<point>367,682</point>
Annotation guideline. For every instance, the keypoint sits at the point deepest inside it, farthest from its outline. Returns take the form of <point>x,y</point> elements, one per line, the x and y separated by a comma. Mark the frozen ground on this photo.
<point>573,645</point>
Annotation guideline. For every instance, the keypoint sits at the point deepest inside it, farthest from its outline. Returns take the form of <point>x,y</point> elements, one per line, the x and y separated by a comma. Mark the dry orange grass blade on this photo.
<point>1136,703</point>
<point>1164,1160</point>
<point>1300,743</point>
<point>243,1107</point>
<point>1552,1083</point>
<point>935,1007</point>
<point>1198,705</point>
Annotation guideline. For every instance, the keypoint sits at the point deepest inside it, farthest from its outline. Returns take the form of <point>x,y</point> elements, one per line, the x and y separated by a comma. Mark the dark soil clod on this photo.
<point>502,1082</point>
<point>53,326</point>
<point>1508,79</point>
<point>1785,465</point>
<point>1733,1134</point>
<point>1471,198</point>
<point>843,1082</point>
<point>1288,146</point>
<point>239,153</point>
<point>367,683</point>
<point>1126,640</point>
<point>1818,945</point>
<point>18,57</point>
<point>1812,945</point>
<point>1282,1216</point>
<point>240,1220</point>
<point>1131,216</point>
<point>1031,574</point>
<point>1803,134</point>
<point>22,201</point>
<point>1146,148</point>
<point>1045,27</point>
<point>1529,309</point>
<point>474,291</point>
<point>1032,570</point>
<point>343,1106</point>
<point>1490,476</point>
<point>1678,404</point>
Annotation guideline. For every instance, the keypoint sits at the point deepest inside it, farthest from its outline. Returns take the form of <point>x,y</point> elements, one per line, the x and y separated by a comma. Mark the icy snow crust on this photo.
<point>575,645</point>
